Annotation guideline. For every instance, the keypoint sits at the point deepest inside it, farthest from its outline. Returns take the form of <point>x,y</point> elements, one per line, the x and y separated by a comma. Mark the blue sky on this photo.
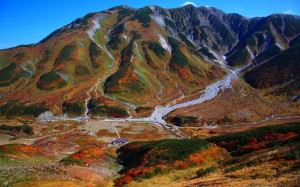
<point>29,21</point>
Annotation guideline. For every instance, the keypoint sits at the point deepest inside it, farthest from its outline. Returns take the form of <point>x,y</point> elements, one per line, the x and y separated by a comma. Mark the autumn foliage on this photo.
<point>85,156</point>
<point>146,159</point>
<point>260,138</point>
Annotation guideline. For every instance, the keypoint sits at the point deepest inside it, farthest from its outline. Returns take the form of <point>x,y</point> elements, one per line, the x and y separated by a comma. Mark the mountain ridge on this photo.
<point>132,56</point>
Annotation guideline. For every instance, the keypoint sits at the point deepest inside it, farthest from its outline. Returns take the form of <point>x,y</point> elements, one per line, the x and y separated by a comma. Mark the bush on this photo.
<point>178,58</point>
<point>157,49</point>
<point>73,108</point>
<point>206,52</point>
<point>72,161</point>
<point>205,172</point>
<point>95,53</point>
<point>241,143</point>
<point>65,54</point>
<point>234,168</point>
<point>238,58</point>
<point>181,120</point>
<point>50,81</point>
<point>8,75</point>
<point>12,108</point>
<point>24,128</point>
<point>267,54</point>
<point>143,15</point>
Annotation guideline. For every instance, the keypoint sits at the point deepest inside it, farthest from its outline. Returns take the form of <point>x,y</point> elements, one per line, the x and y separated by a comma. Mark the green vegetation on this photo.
<point>251,41</point>
<point>114,43</point>
<point>82,70</point>
<point>105,110</point>
<point>24,128</point>
<point>181,120</point>
<point>223,31</point>
<point>72,161</point>
<point>292,26</point>
<point>178,58</point>
<point>64,55</point>
<point>203,34</point>
<point>98,109</point>
<point>13,108</point>
<point>268,53</point>
<point>124,12</point>
<point>186,40</point>
<point>170,23</point>
<point>206,52</point>
<point>73,108</point>
<point>118,30</point>
<point>295,41</point>
<point>95,53</point>
<point>20,55</point>
<point>157,49</point>
<point>126,55</point>
<point>143,15</point>
<point>166,151</point>
<point>50,81</point>
<point>140,109</point>
<point>8,75</point>
<point>238,58</point>
<point>278,70</point>
<point>234,168</point>
<point>195,20</point>
<point>241,143</point>
<point>207,171</point>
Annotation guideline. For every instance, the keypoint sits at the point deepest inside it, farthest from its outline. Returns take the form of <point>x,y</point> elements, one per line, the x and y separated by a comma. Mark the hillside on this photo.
<point>115,62</point>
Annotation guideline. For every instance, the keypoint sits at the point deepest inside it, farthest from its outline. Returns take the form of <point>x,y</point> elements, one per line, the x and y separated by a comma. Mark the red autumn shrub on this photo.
<point>179,164</point>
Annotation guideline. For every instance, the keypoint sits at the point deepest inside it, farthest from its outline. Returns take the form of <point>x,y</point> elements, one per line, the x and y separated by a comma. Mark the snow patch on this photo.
<point>280,46</point>
<point>164,43</point>
<point>127,38</point>
<point>138,51</point>
<point>25,67</point>
<point>159,20</point>
<point>63,75</point>
<point>96,25</point>
<point>250,52</point>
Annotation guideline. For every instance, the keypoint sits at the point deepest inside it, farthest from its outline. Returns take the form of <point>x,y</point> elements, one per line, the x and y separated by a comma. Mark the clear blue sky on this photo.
<point>29,21</point>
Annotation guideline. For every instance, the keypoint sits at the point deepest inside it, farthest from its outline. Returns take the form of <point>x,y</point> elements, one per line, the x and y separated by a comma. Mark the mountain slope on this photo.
<point>124,58</point>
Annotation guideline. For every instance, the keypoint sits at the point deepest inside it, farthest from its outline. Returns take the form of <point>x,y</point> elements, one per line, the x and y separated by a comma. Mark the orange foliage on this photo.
<point>179,164</point>
<point>130,77</point>
<point>124,180</point>
<point>87,155</point>
<point>27,149</point>
<point>195,159</point>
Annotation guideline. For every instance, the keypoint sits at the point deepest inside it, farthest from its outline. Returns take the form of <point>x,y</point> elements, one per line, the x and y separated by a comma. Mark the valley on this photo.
<point>200,97</point>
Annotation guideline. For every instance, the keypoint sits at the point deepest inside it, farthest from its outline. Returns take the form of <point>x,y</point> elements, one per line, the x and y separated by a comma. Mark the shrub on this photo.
<point>206,52</point>
<point>12,108</point>
<point>241,143</point>
<point>8,75</point>
<point>50,81</point>
<point>157,49</point>
<point>73,108</point>
<point>178,58</point>
<point>207,171</point>
<point>64,55</point>
<point>24,128</point>
<point>95,53</point>
<point>143,15</point>
<point>234,168</point>
<point>181,120</point>
<point>71,161</point>
<point>238,58</point>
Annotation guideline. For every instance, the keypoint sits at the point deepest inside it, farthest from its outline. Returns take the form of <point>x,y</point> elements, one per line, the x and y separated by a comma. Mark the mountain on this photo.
<point>126,61</point>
